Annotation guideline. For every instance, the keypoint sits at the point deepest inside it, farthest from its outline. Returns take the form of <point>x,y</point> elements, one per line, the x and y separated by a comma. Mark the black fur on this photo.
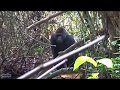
<point>62,40</point>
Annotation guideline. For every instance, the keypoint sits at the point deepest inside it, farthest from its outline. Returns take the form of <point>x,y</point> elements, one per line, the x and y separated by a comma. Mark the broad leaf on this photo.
<point>89,59</point>
<point>82,59</point>
<point>92,61</point>
<point>79,61</point>
<point>107,62</point>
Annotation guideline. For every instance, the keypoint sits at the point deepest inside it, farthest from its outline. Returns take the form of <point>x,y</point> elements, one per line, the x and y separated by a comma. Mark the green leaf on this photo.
<point>39,50</point>
<point>118,44</point>
<point>107,62</point>
<point>93,76</point>
<point>82,59</point>
<point>92,61</point>
<point>79,61</point>
<point>114,42</point>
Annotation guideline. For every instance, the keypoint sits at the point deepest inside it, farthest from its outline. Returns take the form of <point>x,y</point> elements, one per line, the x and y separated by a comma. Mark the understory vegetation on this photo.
<point>25,43</point>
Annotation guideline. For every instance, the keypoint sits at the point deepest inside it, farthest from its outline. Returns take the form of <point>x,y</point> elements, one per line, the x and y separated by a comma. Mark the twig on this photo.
<point>60,71</point>
<point>62,62</point>
<point>38,68</point>
<point>44,20</point>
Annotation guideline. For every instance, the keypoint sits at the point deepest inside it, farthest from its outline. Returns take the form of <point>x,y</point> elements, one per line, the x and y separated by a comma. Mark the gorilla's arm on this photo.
<point>69,41</point>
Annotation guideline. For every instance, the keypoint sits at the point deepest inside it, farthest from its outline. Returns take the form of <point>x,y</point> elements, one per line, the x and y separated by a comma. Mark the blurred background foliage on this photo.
<point>22,50</point>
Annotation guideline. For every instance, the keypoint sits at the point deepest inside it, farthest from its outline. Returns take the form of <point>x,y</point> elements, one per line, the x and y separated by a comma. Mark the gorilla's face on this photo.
<point>60,38</point>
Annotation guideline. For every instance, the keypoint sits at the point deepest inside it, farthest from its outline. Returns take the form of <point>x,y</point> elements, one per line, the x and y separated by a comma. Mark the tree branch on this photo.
<point>44,20</point>
<point>62,70</point>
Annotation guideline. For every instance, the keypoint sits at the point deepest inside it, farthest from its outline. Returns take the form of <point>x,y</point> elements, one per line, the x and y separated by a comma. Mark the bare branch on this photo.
<point>25,34</point>
<point>38,68</point>
<point>62,62</point>
<point>44,20</point>
<point>66,70</point>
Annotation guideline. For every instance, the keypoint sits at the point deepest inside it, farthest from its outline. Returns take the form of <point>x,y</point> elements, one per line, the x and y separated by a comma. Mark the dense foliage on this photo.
<point>23,48</point>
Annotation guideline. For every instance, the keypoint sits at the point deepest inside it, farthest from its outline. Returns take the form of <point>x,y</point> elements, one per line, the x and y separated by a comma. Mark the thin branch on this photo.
<point>44,20</point>
<point>38,68</point>
<point>66,70</point>
<point>40,22</point>
<point>25,34</point>
<point>79,43</point>
<point>45,38</point>
<point>62,62</point>
<point>90,22</point>
<point>81,17</point>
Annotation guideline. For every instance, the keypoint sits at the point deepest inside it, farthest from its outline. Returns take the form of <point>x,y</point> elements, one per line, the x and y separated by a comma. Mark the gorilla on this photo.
<point>62,40</point>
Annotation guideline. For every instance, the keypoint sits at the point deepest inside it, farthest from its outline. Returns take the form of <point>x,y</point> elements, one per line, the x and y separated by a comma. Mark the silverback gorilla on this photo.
<point>62,40</point>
